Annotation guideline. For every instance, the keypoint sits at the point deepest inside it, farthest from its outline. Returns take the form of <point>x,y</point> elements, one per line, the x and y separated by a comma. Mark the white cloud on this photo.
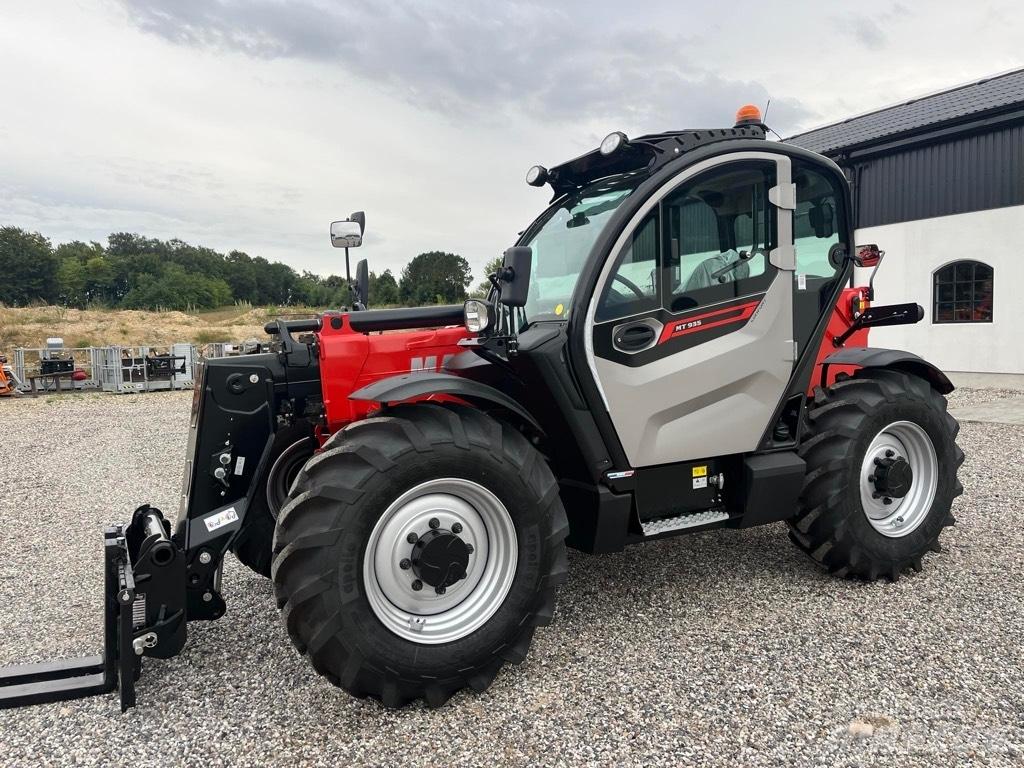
<point>251,125</point>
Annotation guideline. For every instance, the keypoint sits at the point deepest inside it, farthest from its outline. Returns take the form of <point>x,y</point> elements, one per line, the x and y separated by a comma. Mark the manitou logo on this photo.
<point>429,363</point>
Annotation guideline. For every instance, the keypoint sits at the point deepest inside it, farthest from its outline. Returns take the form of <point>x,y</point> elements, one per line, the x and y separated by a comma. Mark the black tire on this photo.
<point>832,527</point>
<point>254,545</point>
<point>322,536</point>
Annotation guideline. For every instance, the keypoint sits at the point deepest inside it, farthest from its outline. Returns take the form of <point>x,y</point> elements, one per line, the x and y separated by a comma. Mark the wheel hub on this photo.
<point>893,477</point>
<point>440,558</point>
<point>899,478</point>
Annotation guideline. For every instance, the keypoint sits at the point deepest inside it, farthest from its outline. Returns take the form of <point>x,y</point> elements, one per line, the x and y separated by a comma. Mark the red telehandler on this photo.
<point>677,343</point>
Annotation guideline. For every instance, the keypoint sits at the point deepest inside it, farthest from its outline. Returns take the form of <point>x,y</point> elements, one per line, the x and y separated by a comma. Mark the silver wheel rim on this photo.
<point>424,616</point>
<point>907,440</point>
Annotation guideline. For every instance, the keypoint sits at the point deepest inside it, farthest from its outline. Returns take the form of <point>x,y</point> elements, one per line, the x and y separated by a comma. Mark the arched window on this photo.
<point>962,293</point>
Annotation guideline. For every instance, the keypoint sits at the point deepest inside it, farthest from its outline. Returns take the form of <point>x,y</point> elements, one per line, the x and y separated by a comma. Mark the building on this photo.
<point>939,185</point>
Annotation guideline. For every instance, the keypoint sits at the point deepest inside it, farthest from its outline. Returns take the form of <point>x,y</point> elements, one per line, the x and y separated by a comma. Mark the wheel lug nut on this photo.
<point>469,548</point>
<point>417,585</point>
<point>440,590</point>
<point>412,537</point>
<point>434,523</point>
<point>871,478</point>
<point>889,454</point>
<point>887,500</point>
<point>405,565</point>
<point>456,527</point>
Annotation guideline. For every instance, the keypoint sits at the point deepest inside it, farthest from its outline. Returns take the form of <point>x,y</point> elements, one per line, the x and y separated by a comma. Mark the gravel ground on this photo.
<point>724,648</point>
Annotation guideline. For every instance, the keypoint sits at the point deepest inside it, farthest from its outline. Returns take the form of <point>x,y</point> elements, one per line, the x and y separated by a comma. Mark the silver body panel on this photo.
<point>715,398</point>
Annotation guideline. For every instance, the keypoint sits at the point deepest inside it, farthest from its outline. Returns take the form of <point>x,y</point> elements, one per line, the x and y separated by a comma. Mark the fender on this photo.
<point>874,357</point>
<point>422,384</point>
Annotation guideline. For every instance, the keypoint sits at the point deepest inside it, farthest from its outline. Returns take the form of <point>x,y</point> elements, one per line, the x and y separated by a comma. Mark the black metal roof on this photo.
<point>982,98</point>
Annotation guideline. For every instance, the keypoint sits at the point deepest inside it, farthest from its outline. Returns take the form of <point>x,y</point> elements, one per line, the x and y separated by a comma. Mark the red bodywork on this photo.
<point>350,359</point>
<point>838,322</point>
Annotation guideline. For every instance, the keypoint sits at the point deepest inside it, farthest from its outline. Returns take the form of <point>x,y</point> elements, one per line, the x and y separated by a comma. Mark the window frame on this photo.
<point>954,282</point>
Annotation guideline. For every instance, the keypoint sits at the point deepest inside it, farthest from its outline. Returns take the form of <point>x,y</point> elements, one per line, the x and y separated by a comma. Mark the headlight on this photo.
<point>612,142</point>
<point>477,315</point>
<point>536,176</point>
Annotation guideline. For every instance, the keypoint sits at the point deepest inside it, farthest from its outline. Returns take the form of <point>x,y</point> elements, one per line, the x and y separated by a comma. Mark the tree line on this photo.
<point>137,272</point>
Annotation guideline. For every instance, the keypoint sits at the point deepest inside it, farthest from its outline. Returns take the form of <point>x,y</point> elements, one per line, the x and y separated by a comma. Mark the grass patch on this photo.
<point>211,336</point>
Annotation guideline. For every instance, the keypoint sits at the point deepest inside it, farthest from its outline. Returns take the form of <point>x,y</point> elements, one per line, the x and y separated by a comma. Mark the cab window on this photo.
<point>816,222</point>
<point>817,228</point>
<point>720,228</point>
<point>633,287</point>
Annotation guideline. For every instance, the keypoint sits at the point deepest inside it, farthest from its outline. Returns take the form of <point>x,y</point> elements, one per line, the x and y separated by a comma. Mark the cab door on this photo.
<point>690,328</point>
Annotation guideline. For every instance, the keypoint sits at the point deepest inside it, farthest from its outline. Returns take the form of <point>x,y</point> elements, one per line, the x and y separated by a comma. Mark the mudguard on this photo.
<point>874,357</point>
<point>413,386</point>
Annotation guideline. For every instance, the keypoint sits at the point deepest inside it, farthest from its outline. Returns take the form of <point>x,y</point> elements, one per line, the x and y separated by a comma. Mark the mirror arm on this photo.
<point>871,280</point>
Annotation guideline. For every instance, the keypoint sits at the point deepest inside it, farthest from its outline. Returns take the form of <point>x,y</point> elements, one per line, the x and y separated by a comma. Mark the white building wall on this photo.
<point>915,249</point>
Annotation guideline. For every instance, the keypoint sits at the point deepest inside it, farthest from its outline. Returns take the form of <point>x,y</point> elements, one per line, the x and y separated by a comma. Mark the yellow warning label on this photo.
<point>700,471</point>
<point>559,309</point>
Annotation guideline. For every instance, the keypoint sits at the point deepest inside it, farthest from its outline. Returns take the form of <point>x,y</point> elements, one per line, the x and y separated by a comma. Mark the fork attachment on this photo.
<point>143,615</point>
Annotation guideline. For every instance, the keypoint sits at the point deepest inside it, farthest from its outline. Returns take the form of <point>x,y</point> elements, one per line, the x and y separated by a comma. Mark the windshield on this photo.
<point>563,240</point>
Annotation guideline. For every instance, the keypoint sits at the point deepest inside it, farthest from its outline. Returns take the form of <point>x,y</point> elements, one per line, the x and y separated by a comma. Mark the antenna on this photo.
<point>764,119</point>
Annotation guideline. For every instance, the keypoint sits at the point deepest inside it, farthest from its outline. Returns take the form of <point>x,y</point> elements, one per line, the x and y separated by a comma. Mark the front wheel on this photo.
<point>419,552</point>
<point>882,460</point>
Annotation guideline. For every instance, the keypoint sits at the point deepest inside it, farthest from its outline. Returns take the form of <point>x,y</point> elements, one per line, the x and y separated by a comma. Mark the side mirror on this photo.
<point>346,234</point>
<point>867,255</point>
<point>362,283</point>
<point>514,277</point>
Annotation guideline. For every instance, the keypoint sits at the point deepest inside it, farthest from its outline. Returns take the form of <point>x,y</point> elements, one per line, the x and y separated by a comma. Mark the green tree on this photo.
<point>383,289</point>
<point>84,275</point>
<point>484,287</point>
<point>71,283</point>
<point>175,288</point>
<point>435,277</point>
<point>28,267</point>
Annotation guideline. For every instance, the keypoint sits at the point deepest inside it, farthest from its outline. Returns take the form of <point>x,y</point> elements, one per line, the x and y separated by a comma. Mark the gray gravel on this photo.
<point>725,648</point>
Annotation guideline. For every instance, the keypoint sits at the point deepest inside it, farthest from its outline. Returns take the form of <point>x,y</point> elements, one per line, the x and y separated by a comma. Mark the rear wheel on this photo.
<point>881,475</point>
<point>419,552</point>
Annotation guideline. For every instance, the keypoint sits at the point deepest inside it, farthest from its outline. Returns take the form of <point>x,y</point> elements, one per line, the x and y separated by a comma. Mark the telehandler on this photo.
<point>677,343</point>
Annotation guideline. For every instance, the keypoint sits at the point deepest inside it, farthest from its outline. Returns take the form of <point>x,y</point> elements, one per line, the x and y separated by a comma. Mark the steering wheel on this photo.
<point>631,285</point>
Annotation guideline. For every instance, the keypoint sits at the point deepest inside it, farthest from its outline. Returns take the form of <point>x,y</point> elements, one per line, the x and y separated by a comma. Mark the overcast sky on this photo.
<point>251,124</point>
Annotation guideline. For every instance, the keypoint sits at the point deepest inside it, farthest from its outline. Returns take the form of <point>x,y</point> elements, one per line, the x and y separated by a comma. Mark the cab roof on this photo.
<point>648,153</point>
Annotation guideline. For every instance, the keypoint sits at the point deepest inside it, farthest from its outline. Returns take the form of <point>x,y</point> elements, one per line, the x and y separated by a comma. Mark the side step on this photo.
<point>687,520</point>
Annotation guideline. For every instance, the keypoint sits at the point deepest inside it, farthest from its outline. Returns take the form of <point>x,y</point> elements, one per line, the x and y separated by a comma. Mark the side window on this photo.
<point>963,293</point>
<point>720,228</point>
<point>816,222</point>
<point>633,287</point>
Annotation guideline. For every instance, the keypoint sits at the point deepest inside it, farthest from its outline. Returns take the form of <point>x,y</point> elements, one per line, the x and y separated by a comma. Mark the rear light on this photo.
<point>859,306</point>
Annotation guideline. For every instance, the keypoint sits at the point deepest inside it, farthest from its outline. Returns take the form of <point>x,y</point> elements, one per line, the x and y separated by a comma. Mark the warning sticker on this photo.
<point>220,519</point>
<point>801,282</point>
<point>700,471</point>
<point>700,482</point>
